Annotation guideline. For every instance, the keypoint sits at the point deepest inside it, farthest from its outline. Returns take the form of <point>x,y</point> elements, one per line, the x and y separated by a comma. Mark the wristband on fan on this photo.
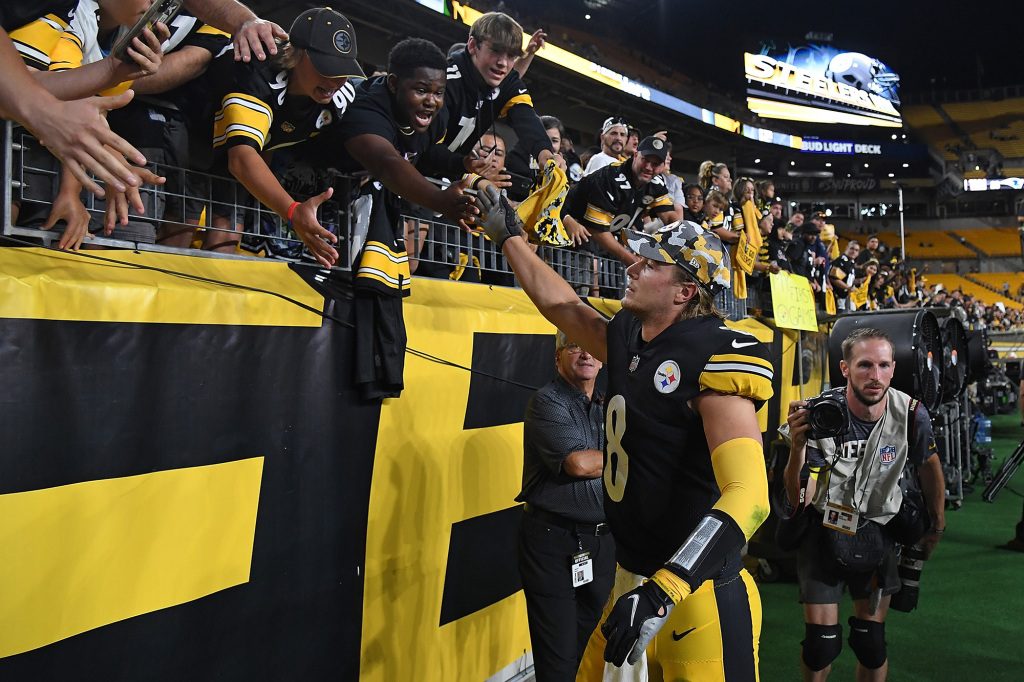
<point>674,586</point>
<point>291,211</point>
<point>474,180</point>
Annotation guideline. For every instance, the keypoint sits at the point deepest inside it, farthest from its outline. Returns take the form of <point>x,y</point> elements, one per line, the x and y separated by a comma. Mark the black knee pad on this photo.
<point>867,639</point>
<point>822,644</point>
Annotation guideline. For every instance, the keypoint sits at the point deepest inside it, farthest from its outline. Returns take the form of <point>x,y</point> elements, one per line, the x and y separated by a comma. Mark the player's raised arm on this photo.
<point>552,295</point>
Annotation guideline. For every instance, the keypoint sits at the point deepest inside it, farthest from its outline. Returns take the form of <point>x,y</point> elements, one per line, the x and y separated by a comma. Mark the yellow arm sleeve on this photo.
<point>739,471</point>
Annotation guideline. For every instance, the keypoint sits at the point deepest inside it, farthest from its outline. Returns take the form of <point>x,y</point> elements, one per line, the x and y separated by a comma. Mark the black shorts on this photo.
<point>822,579</point>
<point>162,135</point>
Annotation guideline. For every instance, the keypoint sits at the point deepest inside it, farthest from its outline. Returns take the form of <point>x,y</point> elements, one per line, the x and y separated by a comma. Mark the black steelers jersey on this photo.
<point>187,31</point>
<point>473,107</point>
<point>383,265</point>
<point>658,477</point>
<point>611,198</point>
<point>253,106</point>
<point>35,27</point>
<point>73,50</point>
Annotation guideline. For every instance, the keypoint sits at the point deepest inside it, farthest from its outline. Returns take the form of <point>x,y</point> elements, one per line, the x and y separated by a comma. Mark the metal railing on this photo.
<point>190,200</point>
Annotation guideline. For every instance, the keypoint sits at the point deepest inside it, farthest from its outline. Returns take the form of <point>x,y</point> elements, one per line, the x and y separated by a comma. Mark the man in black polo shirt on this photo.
<point>566,555</point>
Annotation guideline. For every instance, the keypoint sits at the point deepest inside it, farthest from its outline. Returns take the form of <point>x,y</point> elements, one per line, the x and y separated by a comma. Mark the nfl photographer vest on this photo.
<point>869,480</point>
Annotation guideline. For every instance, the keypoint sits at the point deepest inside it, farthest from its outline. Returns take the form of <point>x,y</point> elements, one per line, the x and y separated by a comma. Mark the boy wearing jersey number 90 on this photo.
<point>684,468</point>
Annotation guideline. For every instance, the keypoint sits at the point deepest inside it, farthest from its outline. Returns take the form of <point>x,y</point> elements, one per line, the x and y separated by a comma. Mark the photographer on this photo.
<point>847,488</point>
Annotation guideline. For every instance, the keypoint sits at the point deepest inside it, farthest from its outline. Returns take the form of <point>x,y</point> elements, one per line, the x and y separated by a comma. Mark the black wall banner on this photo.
<point>189,489</point>
<point>177,501</point>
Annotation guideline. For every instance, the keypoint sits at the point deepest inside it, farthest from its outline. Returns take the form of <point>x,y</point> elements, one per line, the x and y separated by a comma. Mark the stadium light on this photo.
<point>828,164</point>
<point>906,165</point>
<point>792,163</point>
<point>587,17</point>
<point>892,175</point>
<point>894,136</point>
<point>757,160</point>
<point>866,165</point>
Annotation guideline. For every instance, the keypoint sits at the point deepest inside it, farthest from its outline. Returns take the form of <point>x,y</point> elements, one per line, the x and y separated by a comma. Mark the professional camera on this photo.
<point>911,563</point>
<point>827,414</point>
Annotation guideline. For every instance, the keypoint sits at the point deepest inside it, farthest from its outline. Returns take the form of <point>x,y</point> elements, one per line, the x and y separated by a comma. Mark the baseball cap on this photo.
<point>653,146</point>
<point>697,251</point>
<point>328,38</point>
<point>613,121</point>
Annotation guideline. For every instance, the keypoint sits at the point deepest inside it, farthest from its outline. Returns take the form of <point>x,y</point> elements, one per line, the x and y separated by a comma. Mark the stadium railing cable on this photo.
<point>284,297</point>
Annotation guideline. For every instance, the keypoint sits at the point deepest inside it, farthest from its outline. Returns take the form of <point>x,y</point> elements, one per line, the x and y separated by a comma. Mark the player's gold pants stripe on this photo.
<point>43,284</point>
<point>81,556</point>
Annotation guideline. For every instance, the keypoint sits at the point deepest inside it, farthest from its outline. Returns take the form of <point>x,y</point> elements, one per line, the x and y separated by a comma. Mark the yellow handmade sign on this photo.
<point>793,302</point>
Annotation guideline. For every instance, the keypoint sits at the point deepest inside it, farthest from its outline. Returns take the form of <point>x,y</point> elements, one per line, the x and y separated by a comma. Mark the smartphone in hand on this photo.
<point>162,11</point>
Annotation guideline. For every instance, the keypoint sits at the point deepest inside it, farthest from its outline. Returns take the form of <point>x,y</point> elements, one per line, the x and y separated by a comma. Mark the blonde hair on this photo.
<point>701,305</point>
<point>707,171</point>
<point>504,33</point>
<point>288,56</point>
<point>716,197</point>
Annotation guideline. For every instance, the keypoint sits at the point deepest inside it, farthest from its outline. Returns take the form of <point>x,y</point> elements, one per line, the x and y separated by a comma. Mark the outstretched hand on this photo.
<point>500,221</point>
<point>458,206</point>
<point>68,207</point>
<point>119,204</point>
<point>316,238</point>
<point>77,133</point>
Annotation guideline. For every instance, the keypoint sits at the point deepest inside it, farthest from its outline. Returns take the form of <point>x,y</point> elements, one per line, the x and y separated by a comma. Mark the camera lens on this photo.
<point>828,418</point>
<point>911,564</point>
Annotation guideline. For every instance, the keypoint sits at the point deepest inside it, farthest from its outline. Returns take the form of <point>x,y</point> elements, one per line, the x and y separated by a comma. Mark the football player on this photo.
<point>684,474</point>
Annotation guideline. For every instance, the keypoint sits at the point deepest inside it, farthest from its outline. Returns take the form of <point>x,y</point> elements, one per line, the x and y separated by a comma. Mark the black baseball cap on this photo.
<point>653,146</point>
<point>328,38</point>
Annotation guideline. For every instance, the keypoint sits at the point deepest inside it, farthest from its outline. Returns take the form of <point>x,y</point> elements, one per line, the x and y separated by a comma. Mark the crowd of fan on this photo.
<point>280,128</point>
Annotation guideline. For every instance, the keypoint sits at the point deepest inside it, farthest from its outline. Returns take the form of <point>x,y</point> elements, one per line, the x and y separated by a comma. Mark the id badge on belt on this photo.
<point>841,518</point>
<point>582,568</point>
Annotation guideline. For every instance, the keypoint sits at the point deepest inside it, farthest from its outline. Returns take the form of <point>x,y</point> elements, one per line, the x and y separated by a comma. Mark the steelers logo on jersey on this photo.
<point>667,378</point>
<point>324,119</point>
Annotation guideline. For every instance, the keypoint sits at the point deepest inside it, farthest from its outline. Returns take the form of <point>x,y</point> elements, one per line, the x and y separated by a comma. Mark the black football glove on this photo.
<point>634,621</point>
<point>500,221</point>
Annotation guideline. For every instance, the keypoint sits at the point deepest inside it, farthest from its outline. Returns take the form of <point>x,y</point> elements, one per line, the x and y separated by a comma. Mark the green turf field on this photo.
<point>969,624</point>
